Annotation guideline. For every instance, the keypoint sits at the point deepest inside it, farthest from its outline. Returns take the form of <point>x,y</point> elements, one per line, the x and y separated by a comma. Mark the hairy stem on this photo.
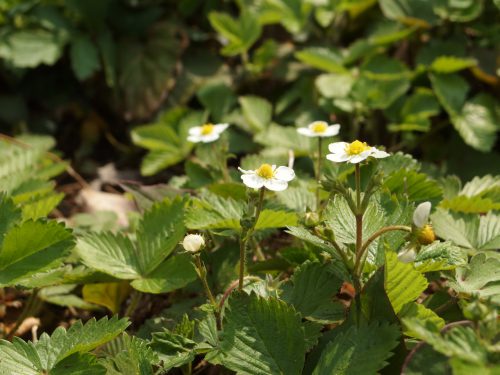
<point>359,240</point>
<point>318,175</point>
<point>245,236</point>
<point>202,272</point>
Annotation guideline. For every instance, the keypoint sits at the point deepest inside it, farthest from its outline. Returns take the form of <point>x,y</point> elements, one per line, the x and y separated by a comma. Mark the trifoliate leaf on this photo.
<point>471,231</point>
<point>359,350</point>
<point>261,336</point>
<point>481,276</point>
<point>402,282</point>
<point>312,291</point>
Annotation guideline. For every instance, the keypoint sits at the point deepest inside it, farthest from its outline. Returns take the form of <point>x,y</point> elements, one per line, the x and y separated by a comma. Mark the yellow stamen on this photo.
<point>356,148</point>
<point>207,129</point>
<point>426,235</point>
<point>265,171</point>
<point>319,126</point>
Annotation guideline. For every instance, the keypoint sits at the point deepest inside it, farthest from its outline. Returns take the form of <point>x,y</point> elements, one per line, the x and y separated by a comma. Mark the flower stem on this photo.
<point>202,272</point>
<point>318,175</point>
<point>359,240</point>
<point>245,236</point>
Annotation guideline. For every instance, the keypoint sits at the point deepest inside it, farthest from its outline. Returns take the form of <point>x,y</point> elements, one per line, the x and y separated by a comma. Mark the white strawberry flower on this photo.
<point>193,243</point>
<point>421,214</point>
<point>354,152</point>
<point>206,133</point>
<point>268,176</point>
<point>319,129</point>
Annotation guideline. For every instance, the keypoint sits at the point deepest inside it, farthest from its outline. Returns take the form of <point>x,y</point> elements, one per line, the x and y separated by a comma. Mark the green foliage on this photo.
<point>402,283</point>
<point>62,351</point>
<point>272,330</point>
<point>358,350</point>
<point>144,260</point>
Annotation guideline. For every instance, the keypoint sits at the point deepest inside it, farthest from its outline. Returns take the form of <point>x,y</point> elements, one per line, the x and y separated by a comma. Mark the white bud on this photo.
<point>421,214</point>
<point>193,243</point>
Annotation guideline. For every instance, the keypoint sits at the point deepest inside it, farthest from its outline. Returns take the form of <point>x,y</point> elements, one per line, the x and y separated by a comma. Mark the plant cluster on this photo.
<point>369,278</point>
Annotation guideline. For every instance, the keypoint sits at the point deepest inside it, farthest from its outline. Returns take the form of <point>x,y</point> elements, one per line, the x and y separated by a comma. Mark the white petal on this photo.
<point>219,128</point>
<point>379,154</point>
<point>195,130</point>
<point>194,138</point>
<point>275,185</point>
<point>338,158</point>
<point>209,137</point>
<point>337,147</point>
<point>249,171</point>
<point>307,132</point>
<point>284,174</point>
<point>421,214</point>
<point>331,131</point>
<point>359,158</point>
<point>253,181</point>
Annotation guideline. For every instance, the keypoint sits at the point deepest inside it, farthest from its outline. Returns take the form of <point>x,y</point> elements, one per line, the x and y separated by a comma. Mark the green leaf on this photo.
<point>478,122</point>
<point>322,58</point>
<point>276,219</point>
<point>474,205</point>
<point>84,57</point>
<point>166,140</point>
<point>128,355</point>
<point>49,352</point>
<point>471,231</point>
<point>381,82</point>
<point>298,199</point>
<point>402,282</point>
<point>175,273</point>
<point>257,112</point>
<point>458,11</point>
<point>241,33</point>
<point>158,233</point>
<point>334,85</point>
<point>303,234</point>
<point>109,295</point>
<point>261,336</point>
<point>417,187</point>
<point>173,349</point>
<point>412,12</point>
<point>440,256</point>
<point>413,310</point>
<point>79,364</point>
<point>282,139</point>
<point>312,290</point>
<point>62,295</point>
<point>218,98</point>
<point>33,247</point>
<point>39,206</point>
<point>481,276</point>
<point>451,64</point>
<point>359,350</point>
<point>214,212</point>
<point>30,48</point>
<point>451,90</point>
<point>9,215</point>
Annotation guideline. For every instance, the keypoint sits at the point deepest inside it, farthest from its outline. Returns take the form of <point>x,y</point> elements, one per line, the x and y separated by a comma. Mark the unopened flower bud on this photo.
<point>311,219</point>
<point>193,243</point>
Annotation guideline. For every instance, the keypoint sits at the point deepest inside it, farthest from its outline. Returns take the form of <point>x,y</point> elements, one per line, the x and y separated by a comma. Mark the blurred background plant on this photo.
<point>414,75</point>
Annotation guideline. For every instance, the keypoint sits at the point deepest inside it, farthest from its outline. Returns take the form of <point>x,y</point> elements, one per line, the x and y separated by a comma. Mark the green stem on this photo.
<point>29,309</point>
<point>245,236</point>
<point>202,272</point>
<point>135,299</point>
<point>359,240</point>
<point>318,176</point>
<point>357,175</point>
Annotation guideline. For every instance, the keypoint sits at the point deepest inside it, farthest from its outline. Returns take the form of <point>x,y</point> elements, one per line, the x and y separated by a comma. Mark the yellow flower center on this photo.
<point>319,126</point>
<point>426,235</point>
<point>265,171</point>
<point>207,129</point>
<point>356,148</point>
